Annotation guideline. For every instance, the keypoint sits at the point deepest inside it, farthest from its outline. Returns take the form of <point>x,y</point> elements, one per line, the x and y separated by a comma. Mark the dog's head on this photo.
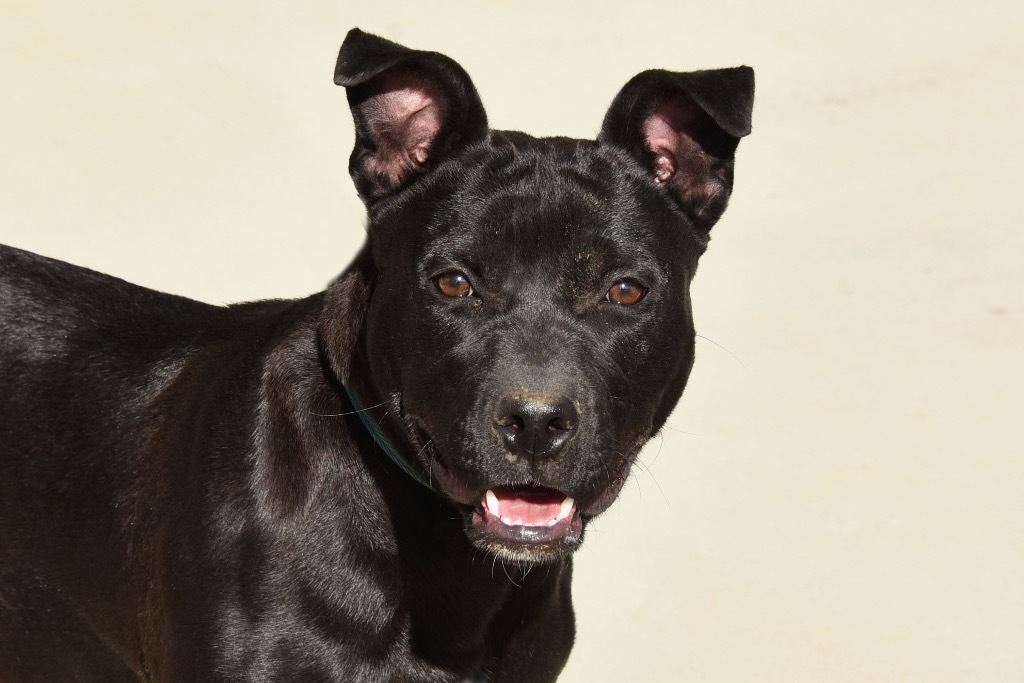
<point>522,311</point>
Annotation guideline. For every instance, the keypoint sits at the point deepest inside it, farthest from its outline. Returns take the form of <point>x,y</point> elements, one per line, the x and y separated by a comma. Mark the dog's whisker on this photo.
<point>735,357</point>
<point>647,469</point>
<point>350,412</point>
<point>656,483</point>
<point>661,443</point>
<point>676,430</point>
<point>639,488</point>
<point>508,576</point>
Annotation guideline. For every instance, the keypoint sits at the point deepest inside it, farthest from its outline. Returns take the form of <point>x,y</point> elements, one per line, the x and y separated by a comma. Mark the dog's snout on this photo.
<point>537,427</point>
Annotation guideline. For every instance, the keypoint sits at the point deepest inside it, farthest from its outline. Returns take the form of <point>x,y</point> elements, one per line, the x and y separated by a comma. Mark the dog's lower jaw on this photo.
<point>524,554</point>
<point>524,544</point>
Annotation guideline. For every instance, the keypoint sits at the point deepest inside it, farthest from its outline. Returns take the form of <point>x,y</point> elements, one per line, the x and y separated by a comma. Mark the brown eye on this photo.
<point>454,284</point>
<point>626,292</point>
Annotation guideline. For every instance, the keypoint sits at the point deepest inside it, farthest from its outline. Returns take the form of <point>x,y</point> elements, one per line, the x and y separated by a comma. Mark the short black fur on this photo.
<point>186,493</point>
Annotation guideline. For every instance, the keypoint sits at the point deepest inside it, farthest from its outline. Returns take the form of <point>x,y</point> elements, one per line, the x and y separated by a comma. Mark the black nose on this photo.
<point>537,427</point>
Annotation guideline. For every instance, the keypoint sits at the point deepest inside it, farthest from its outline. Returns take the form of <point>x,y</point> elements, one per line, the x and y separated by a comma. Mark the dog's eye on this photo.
<point>454,284</point>
<point>626,292</point>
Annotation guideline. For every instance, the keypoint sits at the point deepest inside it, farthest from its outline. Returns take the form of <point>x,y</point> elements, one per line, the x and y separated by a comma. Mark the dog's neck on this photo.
<point>383,444</point>
<point>331,469</point>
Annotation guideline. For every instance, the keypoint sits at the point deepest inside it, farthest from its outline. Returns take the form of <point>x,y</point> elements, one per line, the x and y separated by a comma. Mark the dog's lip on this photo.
<point>471,497</point>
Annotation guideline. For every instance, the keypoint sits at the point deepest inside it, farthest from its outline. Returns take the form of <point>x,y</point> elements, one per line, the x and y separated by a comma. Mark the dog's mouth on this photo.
<point>526,523</point>
<point>521,521</point>
<point>528,508</point>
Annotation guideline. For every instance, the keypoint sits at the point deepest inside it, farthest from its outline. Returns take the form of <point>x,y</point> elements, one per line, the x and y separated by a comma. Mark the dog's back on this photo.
<point>91,368</point>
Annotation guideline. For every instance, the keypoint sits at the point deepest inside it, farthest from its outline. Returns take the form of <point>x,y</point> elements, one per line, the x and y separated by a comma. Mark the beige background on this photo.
<point>840,495</point>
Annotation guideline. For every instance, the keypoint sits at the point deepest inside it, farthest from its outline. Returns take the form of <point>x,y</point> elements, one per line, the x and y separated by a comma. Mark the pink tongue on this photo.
<point>529,509</point>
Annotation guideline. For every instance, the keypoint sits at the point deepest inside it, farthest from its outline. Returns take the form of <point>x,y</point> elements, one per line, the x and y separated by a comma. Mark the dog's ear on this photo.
<point>684,128</point>
<point>411,109</point>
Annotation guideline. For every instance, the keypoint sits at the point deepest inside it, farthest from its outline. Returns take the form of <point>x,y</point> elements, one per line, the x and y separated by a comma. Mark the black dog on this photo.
<point>355,486</point>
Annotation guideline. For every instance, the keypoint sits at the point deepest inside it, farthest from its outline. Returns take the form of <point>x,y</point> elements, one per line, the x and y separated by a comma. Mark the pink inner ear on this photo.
<point>405,118</point>
<point>412,116</point>
<point>673,131</point>
<point>663,140</point>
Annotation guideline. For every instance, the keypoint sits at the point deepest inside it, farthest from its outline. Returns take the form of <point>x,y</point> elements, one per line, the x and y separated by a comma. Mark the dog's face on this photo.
<point>528,320</point>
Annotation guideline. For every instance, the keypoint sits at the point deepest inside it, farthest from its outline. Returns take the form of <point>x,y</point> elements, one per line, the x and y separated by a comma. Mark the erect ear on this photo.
<point>685,127</point>
<point>411,109</point>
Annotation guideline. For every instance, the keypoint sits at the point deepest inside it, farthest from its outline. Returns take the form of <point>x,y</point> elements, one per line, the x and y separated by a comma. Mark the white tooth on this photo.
<point>566,509</point>
<point>507,521</point>
<point>492,502</point>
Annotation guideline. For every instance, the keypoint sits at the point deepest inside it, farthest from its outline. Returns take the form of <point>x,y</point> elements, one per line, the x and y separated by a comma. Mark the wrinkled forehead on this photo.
<point>552,201</point>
